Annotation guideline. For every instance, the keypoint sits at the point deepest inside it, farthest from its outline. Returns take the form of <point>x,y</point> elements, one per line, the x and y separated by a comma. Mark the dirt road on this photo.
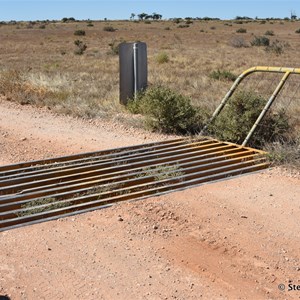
<point>235,239</point>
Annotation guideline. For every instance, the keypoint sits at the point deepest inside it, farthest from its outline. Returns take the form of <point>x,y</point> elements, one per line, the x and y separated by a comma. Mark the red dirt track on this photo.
<point>234,239</point>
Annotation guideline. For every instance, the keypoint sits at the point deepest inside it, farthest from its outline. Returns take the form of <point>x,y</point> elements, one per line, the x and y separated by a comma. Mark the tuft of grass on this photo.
<point>269,32</point>
<point>183,26</point>
<point>79,32</point>
<point>162,172</point>
<point>114,46</point>
<point>223,75</point>
<point>241,30</point>
<point>41,205</point>
<point>109,28</point>
<point>260,41</point>
<point>15,87</point>
<point>238,42</point>
<point>287,153</point>
<point>277,47</point>
<point>162,58</point>
<point>80,47</point>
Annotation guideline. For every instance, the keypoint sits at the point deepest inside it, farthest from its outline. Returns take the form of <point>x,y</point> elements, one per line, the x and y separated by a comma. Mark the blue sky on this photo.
<point>122,9</point>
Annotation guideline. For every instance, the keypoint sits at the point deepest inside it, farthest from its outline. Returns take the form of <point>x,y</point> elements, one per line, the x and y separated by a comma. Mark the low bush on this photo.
<point>241,30</point>
<point>287,154</point>
<point>239,115</point>
<point>114,46</point>
<point>109,28</point>
<point>183,26</point>
<point>238,42</point>
<point>223,75</point>
<point>79,32</point>
<point>80,47</point>
<point>269,32</point>
<point>277,47</point>
<point>260,41</point>
<point>167,111</point>
<point>298,30</point>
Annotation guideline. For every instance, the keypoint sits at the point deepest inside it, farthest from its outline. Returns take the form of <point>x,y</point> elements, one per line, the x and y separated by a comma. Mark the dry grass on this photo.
<point>49,73</point>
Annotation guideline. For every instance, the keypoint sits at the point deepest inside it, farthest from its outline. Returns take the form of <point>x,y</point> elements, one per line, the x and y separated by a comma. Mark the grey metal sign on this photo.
<point>133,69</point>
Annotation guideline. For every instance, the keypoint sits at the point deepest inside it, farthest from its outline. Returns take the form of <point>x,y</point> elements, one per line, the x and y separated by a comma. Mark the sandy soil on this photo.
<point>235,239</point>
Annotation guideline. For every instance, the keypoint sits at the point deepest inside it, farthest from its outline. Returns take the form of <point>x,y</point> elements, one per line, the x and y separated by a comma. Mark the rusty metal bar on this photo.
<point>31,196</point>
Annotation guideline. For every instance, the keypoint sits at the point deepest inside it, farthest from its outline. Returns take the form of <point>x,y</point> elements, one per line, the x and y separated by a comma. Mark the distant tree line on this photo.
<point>153,16</point>
<point>144,16</point>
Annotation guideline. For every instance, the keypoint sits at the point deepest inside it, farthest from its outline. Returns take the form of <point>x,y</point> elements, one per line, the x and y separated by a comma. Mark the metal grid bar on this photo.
<point>49,189</point>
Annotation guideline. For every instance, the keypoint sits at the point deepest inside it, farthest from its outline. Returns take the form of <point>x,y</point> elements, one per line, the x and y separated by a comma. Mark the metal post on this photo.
<point>267,106</point>
<point>226,98</point>
<point>135,68</point>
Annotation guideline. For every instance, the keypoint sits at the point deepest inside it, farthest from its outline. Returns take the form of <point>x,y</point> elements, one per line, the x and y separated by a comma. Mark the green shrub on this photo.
<point>260,41</point>
<point>239,115</point>
<point>109,28</point>
<point>241,30</point>
<point>283,153</point>
<point>298,30</point>
<point>167,111</point>
<point>80,47</point>
<point>183,26</point>
<point>238,42</point>
<point>223,75</point>
<point>114,46</point>
<point>269,32</point>
<point>147,22</point>
<point>162,58</point>
<point>79,32</point>
<point>277,47</point>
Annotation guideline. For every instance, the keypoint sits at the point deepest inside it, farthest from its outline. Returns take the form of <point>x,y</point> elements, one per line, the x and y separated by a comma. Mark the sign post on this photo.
<point>133,70</point>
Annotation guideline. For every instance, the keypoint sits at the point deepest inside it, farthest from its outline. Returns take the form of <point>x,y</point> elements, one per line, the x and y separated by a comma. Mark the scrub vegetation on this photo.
<point>191,67</point>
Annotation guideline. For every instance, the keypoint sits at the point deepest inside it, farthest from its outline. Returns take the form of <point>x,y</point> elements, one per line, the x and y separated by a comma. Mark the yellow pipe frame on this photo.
<point>286,71</point>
